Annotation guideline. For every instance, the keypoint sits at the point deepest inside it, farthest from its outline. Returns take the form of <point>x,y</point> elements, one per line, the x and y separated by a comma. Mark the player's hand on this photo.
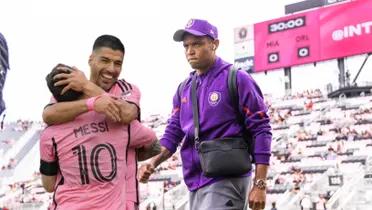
<point>106,105</point>
<point>257,199</point>
<point>144,172</point>
<point>73,79</point>
<point>128,111</point>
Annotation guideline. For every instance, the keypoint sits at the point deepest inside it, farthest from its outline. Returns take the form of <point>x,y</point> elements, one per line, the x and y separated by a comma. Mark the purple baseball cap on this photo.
<point>196,27</point>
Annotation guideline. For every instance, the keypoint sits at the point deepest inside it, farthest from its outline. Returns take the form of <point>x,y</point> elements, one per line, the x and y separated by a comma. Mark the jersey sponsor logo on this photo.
<point>126,94</point>
<point>214,98</point>
<point>126,89</point>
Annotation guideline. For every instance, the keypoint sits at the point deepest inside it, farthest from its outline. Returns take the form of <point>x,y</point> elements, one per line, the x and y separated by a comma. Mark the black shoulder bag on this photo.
<point>223,156</point>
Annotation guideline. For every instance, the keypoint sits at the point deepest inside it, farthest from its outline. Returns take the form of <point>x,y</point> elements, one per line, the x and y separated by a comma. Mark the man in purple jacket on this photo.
<point>217,120</point>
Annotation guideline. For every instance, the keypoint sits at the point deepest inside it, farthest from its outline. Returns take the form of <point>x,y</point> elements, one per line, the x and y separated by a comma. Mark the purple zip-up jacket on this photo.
<point>217,119</point>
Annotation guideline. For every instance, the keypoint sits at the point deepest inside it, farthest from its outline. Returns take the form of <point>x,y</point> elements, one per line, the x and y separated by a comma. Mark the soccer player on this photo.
<point>84,161</point>
<point>105,65</point>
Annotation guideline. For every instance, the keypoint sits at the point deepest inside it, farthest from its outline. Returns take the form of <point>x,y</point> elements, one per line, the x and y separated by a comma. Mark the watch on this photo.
<point>260,184</point>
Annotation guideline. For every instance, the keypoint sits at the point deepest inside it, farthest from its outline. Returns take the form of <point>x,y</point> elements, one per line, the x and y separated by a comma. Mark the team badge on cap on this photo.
<point>214,98</point>
<point>190,23</point>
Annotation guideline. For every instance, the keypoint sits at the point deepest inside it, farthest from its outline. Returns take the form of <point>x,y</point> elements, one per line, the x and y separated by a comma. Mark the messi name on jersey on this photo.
<point>91,128</point>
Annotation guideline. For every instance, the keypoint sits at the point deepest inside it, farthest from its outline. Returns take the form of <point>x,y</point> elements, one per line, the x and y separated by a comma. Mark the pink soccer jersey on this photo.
<point>131,178</point>
<point>132,94</point>
<point>132,190</point>
<point>126,91</point>
<point>91,153</point>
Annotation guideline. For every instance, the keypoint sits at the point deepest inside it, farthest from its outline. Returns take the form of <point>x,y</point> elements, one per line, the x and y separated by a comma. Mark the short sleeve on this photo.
<point>134,96</point>
<point>48,159</point>
<point>140,135</point>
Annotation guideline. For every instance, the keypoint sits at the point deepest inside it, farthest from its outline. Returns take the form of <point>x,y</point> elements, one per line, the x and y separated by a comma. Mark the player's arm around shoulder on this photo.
<point>57,113</point>
<point>62,112</point>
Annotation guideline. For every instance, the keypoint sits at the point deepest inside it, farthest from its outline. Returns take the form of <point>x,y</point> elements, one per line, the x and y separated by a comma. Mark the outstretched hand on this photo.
<point>144,172</point>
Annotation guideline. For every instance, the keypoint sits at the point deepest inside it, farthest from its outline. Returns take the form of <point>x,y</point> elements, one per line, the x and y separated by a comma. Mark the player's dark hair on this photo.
<point>70,95</point>
<point>110,42</point>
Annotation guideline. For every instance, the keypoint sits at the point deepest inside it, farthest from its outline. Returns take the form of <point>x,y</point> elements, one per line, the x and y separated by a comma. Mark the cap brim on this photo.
<point>178,36</point>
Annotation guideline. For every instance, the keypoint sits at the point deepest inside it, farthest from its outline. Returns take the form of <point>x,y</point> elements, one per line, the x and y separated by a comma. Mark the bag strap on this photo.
<point>180,88</point>
<point>233,91</point>
<point>195,111</point>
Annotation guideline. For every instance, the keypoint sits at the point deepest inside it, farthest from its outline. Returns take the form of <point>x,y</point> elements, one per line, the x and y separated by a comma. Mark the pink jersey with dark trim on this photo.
<point>91,152</point>
<point>126,92</point>
<point>134,96</point>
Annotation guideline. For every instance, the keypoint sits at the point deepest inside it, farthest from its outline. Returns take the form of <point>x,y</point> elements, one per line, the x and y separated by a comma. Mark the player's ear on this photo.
<point>90,60</point>
<point>215,44</point>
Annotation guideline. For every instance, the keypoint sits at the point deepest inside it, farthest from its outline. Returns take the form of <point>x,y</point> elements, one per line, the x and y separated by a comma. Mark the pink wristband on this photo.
<point>90,103</point>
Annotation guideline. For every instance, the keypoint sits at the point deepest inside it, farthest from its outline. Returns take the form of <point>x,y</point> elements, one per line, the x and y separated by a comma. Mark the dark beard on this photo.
<point>199,66</point>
